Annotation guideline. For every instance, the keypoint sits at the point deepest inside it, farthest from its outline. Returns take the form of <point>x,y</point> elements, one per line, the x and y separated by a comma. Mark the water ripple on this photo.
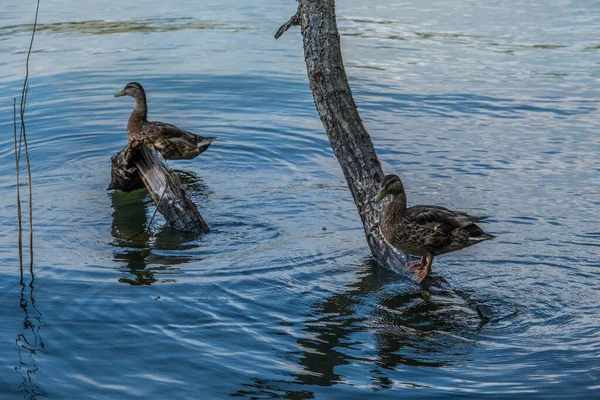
<point>483,110</point>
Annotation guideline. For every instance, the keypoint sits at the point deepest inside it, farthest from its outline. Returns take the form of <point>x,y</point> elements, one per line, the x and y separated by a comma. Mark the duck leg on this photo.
<point>415,264</point>
<point>422,274</point>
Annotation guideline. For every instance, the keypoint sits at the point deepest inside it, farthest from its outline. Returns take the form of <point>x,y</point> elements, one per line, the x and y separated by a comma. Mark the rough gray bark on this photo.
<point>349,139</point>
<point>137,166</point>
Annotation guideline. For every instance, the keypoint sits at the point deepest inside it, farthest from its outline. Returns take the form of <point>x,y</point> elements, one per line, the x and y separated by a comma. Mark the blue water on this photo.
<point>488,107</point>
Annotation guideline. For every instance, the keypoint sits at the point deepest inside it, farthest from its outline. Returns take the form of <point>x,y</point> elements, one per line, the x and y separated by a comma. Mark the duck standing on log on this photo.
<point>173,143</point>
<point>425,231</point>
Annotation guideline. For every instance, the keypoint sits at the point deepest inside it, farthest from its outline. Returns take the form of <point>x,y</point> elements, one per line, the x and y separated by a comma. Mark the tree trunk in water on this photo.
<point>349,139</point>
<point>137,166</point>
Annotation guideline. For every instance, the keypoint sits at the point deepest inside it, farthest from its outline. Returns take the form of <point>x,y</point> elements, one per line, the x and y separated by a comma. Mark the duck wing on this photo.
<point>155,130</point>
<point>172,142</point>
<point>439,218</point>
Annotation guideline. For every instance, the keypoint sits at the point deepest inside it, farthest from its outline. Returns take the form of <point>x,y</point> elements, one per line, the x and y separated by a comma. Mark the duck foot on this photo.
<point>410,266</point>
<point>423,273</point>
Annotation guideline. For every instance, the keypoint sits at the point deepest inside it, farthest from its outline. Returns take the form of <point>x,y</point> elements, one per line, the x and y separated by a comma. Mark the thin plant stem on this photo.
<point>151,219</point>
<point>19,221</point>
<point>23,134</point>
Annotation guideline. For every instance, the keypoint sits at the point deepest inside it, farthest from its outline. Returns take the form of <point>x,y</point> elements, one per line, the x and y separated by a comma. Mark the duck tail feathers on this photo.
<point>204,143</point>
<point>482,237</point>
<point>207,140</point>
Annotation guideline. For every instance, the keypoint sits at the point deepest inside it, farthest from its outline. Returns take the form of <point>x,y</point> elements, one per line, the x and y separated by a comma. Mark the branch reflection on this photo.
<point>138,246</point>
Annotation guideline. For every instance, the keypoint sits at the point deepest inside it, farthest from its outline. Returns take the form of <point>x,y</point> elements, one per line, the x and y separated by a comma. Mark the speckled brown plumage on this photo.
<point>173,143</point>
<point>425,230</point>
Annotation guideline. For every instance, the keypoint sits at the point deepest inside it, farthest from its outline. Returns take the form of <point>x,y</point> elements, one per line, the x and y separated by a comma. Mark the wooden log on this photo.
<point>137,166</point>
<point>349,139</point>
<point>124,175</point>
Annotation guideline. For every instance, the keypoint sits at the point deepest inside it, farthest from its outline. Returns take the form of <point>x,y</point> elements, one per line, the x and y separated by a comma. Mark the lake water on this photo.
<point>488,107</point>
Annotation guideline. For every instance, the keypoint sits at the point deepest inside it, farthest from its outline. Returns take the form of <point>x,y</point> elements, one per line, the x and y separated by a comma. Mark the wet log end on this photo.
<point>138,166</point>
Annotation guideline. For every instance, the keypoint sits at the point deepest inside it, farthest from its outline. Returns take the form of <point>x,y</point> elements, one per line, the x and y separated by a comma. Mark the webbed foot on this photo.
<point>423,273</point>
<point>411,266</point>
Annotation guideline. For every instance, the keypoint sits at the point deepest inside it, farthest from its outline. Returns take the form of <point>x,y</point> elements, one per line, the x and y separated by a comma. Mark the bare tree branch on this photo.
<point>349,139</point>
<point>295,20</point>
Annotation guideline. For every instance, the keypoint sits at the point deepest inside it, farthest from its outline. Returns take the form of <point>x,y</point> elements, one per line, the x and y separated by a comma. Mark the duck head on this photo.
<point>392,185</point>
<point>134,90</point>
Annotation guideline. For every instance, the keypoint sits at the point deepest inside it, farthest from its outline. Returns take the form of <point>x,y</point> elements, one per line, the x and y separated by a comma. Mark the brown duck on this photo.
<point>173,143</point>
<point>425,231</point>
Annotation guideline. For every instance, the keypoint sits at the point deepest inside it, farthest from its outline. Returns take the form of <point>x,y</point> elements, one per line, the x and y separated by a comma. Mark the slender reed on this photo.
<point>23,138</point>
<point>17,154</point>
<point>151,219</point>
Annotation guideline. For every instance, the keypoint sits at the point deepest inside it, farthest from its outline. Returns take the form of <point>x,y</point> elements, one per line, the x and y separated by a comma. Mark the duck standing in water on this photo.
<point>173,143</point>
<point>425,231</point>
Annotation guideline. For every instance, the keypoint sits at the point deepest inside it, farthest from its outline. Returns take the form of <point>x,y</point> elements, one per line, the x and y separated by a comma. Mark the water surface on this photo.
<point>489,108</point>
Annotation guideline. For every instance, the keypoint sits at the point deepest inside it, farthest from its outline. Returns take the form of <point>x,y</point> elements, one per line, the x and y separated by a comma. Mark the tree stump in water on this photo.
<point>124,175</point>
<point>349,139</point>
<point>137,166</point>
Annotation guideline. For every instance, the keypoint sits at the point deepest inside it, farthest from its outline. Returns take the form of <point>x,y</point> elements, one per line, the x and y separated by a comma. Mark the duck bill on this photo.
<point>380,195</point>
<point>120,94</point>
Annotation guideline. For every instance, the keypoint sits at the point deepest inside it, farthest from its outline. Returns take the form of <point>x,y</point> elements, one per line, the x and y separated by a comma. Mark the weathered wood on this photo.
<point>349,139</point>
<point>168,193</point>
<point>124,175</point>
<point>138,164</point>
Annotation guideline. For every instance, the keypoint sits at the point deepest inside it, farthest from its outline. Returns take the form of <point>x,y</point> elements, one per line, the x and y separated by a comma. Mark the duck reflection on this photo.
<point>414,326</point>
<point>139,264</point>
<point>193,184</point>
<point>136,244</point>
<point>384,323</point>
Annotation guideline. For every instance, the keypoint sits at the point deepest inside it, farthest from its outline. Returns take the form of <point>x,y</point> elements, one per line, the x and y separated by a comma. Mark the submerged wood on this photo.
<point>137,166</point>
<point>349,139</point>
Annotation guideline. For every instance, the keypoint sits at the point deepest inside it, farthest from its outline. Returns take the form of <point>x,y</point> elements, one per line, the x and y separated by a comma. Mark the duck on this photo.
<point>424,230</point>
<point>172,142</point>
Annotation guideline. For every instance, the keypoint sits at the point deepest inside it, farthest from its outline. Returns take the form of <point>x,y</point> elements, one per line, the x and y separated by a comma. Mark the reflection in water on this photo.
<point>138,261</point>
<point>419,327</point>
<point>136,242</point>
<point>193,184</point>
<point>29,341</point>
<point>430,326</point>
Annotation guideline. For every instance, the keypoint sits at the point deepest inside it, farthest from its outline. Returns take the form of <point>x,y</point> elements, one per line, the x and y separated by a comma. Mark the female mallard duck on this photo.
<point>425,231</point>
<point>172,142</point>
